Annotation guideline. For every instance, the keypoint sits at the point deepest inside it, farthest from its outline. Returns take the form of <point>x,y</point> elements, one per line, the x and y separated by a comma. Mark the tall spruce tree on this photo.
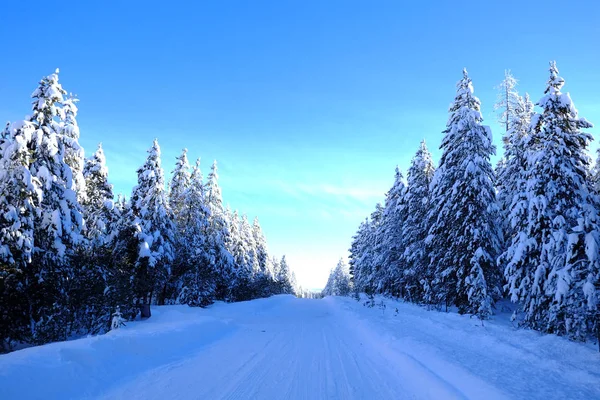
<point>21,193</point>
<point>58,223</point>
<point>180,181</point>
<point>463,238</point>
<point>507,102</point>
<point>514,162</point>
<point>195,246</point>
<point>284,277</point>
<point>415,227</point>
<point>357,248</point>
<point>99,207</point>
<point>368,263</point>
<point>154,231</point>
<point>549,262</point>
<point>389,264</point>
<point>219,234</point>
<point>262,252</point>
<point>18,204</point>
<point>73,152</point>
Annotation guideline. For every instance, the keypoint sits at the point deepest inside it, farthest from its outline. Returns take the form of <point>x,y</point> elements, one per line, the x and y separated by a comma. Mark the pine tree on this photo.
<point>241,251</point>
<point>283,277</point>
<point>123,261</point>
<point>357,249</point>
<point>514,162</point>
<point>508,101</point>
<point>218,232</point>
<point>100,213</point>
<point>463,239</point>
<point>20,196</point>
<point>415,225</point>
<point>549,262</point>
<point>262,253</point>
<point>60,217</point>
<point>98,279</point>
<point>249,247</point>
<point>179,184</point>
<point>73,152</point>
<point>365,263</point>
<point>196,251</point>
<point>153,222</point>
<point>391,277</point>
<point>362,252</point>
<point>58,223</point>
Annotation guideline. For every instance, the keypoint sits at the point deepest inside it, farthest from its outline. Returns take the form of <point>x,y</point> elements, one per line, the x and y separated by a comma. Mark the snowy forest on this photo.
<point>465,234</point>
<point>339,282</point>
<point>75,261</point>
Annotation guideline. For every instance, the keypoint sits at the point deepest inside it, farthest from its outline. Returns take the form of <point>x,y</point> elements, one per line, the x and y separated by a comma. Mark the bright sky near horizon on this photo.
<point>307,106</point>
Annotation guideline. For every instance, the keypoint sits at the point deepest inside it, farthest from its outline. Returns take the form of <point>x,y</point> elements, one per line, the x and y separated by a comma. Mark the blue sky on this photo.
<point>306,105</point>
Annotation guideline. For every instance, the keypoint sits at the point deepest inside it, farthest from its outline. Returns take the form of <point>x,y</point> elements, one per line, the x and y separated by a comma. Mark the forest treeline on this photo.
<point>465,234</point>
<point>74,260</point>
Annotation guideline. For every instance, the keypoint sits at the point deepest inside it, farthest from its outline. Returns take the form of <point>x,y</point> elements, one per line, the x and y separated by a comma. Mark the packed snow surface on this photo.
<point>289,348</point>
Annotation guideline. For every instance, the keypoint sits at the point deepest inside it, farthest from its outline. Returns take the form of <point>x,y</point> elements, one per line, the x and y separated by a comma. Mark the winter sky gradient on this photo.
<point>307,106</point>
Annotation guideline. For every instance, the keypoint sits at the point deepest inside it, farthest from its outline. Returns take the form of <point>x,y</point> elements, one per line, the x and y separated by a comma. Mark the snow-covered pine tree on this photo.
<point>73,152</point>
<point>198,280</point>
<point>155,231</point>
<point>507,104</point>
<point>58,222</point>
<point>507,101</point>
<point>358,256</point>
<point>124,254</point>
<point>264,277</point>
<point>463,239</point>
<point>218,233</point>
<point>553,253</point>
<point>182,263</point>
<point>294,284</point>
<point>249,246</point>
<point>355,251</point>
<point>415,226</point>
<point>98,278</point>
<point>20,195</point>
<point>390,275</point>
<point>242,252</point>
<point>212,191</point>
<point>370,262</point>
<point>178,186</point>
<point>276,267</point>
<point>514,162</point>
<point>99,207</point>
<point>60,217</point>
<point>283,277</point>
<point>262,252</point>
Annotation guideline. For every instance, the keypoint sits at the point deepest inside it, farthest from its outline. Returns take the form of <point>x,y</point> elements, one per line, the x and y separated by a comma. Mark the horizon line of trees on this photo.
<point>467,235</point>
<point>73,258</point>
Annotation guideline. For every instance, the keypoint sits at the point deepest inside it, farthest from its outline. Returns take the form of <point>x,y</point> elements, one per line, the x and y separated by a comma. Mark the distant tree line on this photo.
<point>338,283</point>
<point>72,256</point>
<point>466,235</point>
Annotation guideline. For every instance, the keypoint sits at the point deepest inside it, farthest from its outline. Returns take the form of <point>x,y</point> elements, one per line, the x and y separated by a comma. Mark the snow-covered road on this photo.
<point>288,348</point>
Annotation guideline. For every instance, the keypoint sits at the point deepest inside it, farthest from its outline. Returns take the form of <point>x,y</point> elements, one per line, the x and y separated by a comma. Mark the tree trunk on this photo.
<point>145,310</point>
<point>145,306</point>
<point>163,295</point>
